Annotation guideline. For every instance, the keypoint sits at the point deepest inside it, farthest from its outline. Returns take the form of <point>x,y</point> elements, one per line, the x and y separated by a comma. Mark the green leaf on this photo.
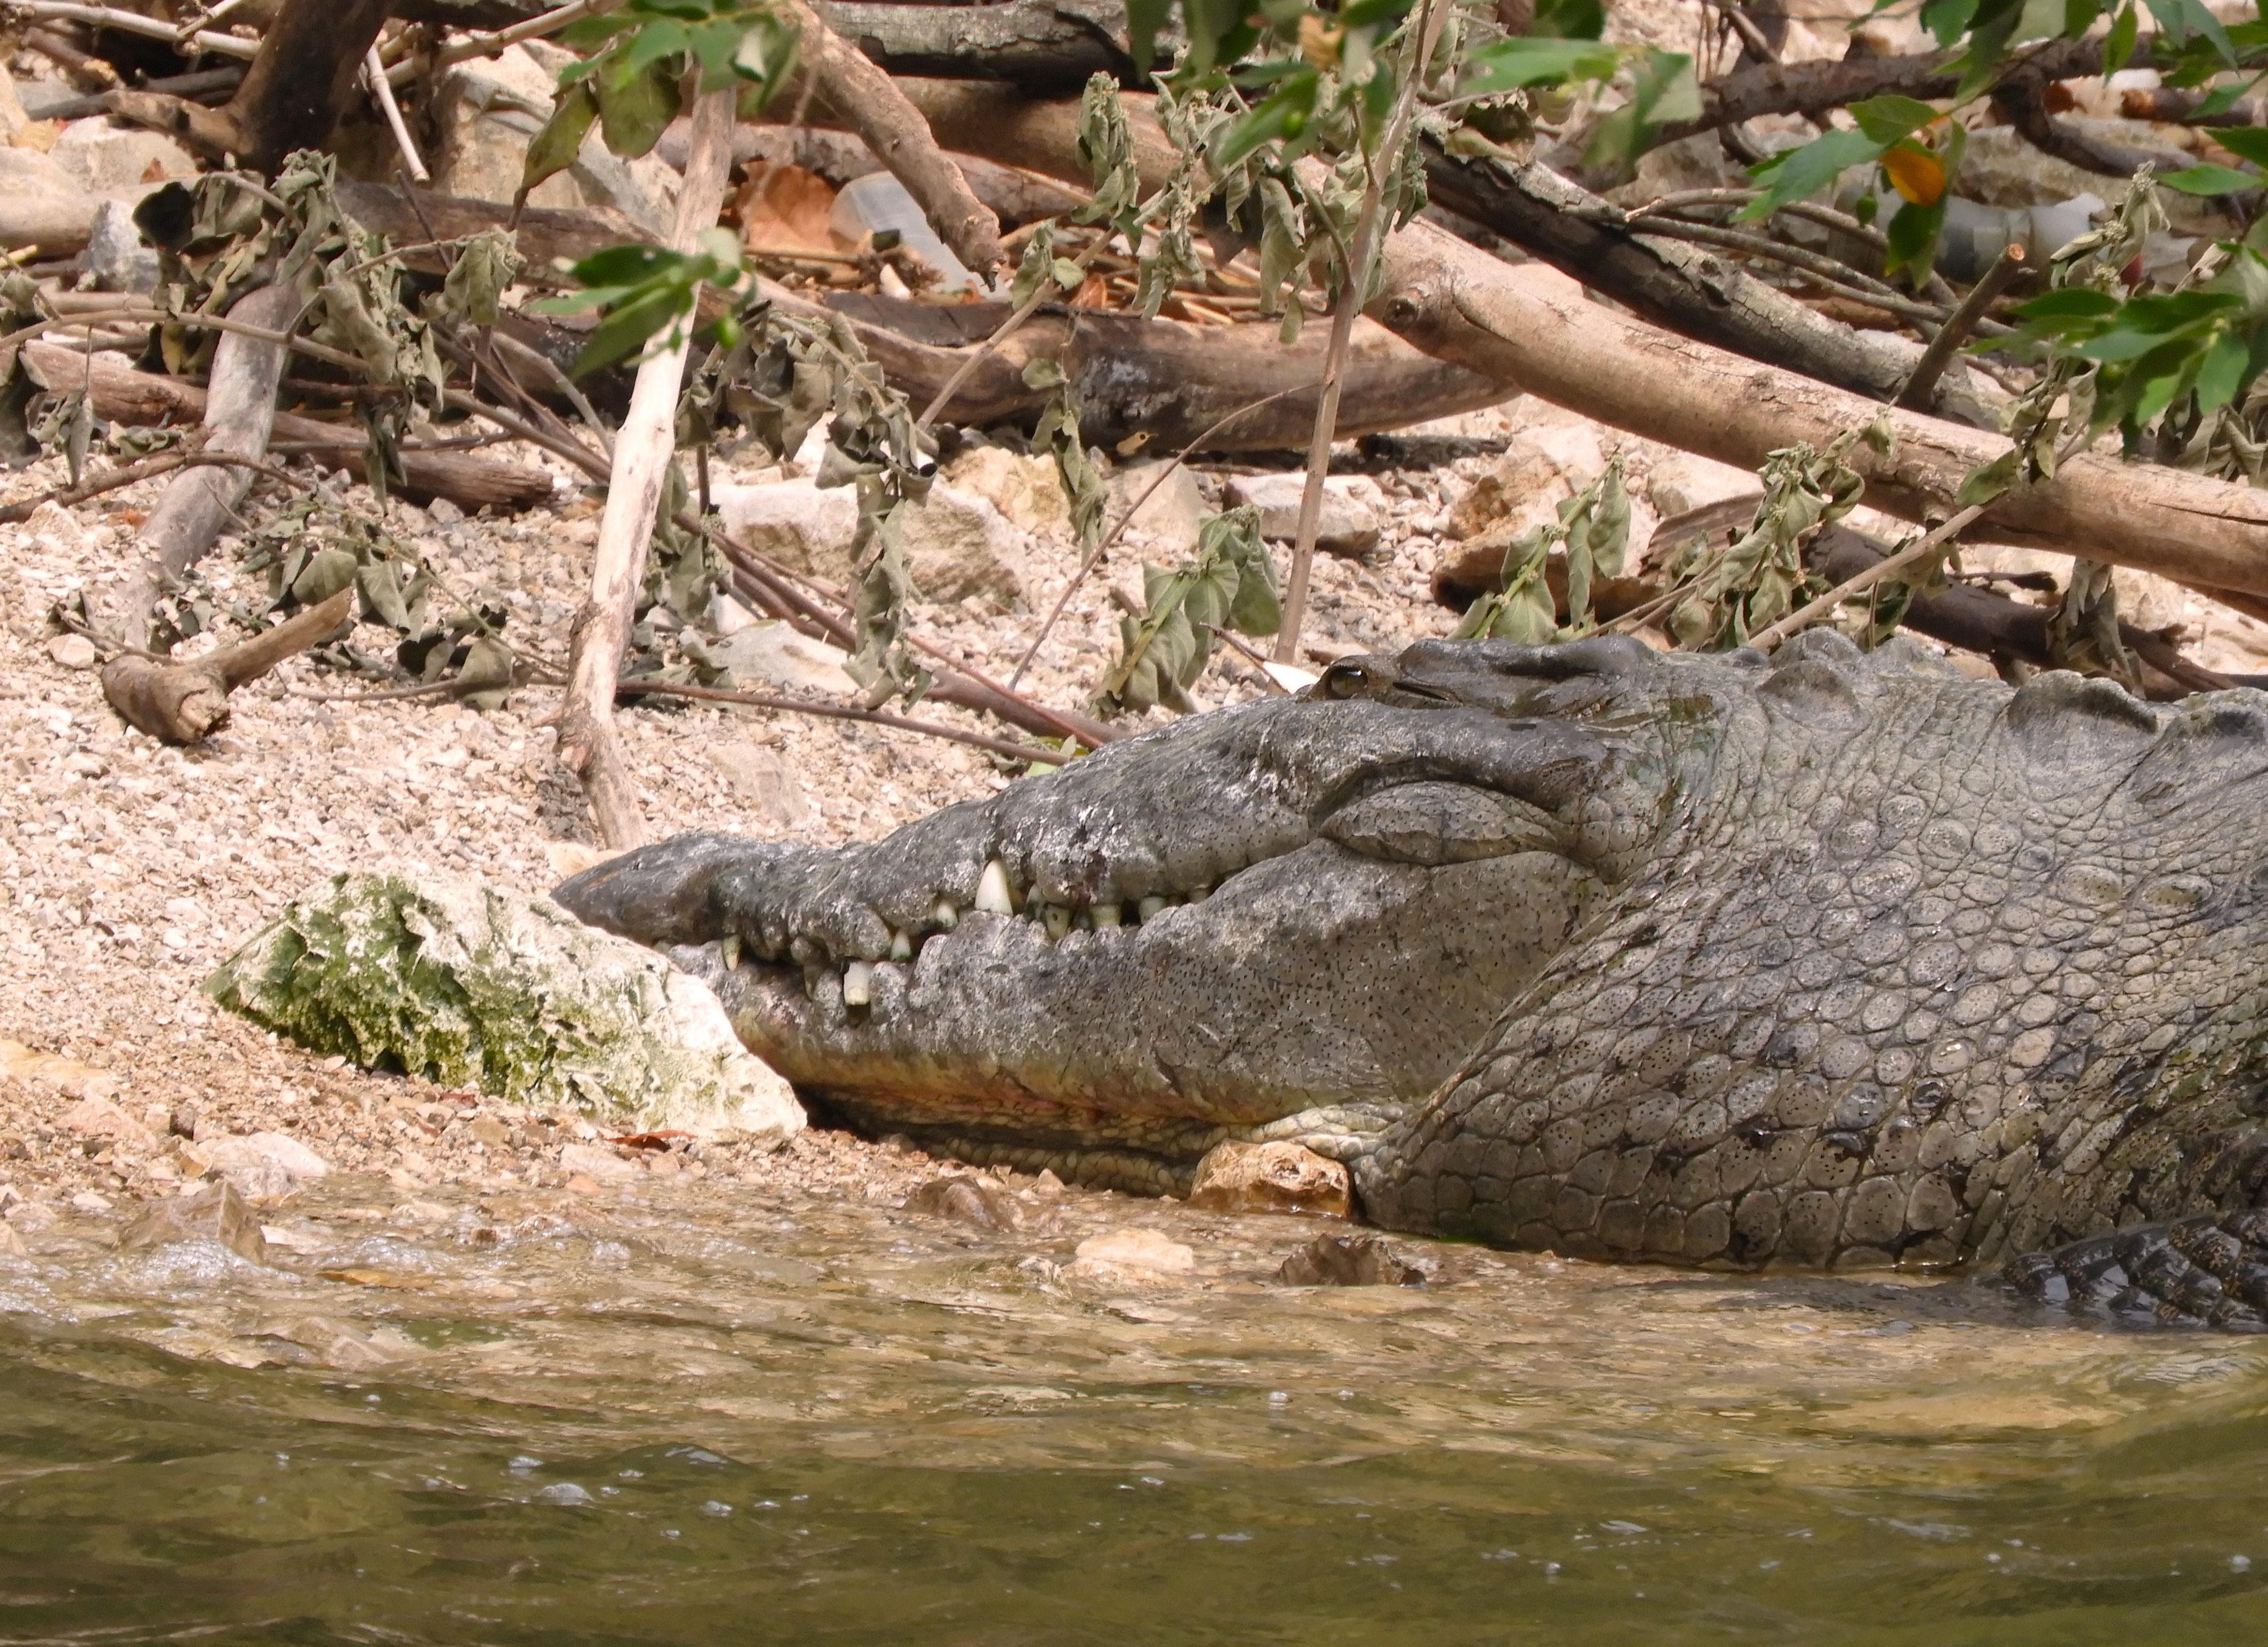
<point>1144,19</point>
<point>2247,143</point>
<point>1947,19</point>
<point>2210,179</point>
<point>2118,44</point>
<point>2222,374</point>
<point>2181,18</point>
<point>555,147</point>
<point>1912,236</point>
<point>2069,304</point>
<point>1283,114</point>
<point>1798,173</point>
<point>1569,19</point>
<point>635,109</point>
<point>1509,65</point>
<point>1887,118</point>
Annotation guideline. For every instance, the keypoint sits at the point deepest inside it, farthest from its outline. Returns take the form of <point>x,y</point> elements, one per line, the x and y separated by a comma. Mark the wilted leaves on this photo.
<point>1230,583</point>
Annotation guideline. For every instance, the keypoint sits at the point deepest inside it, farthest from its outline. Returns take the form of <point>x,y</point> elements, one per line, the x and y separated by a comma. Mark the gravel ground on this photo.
<point>129,869</point>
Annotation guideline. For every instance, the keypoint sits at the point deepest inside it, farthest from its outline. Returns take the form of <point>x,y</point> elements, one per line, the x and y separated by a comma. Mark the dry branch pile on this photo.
<point>348,243</point>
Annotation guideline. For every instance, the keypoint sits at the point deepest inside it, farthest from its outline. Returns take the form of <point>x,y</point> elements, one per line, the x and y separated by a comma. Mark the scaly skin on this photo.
<point>1832,961</point>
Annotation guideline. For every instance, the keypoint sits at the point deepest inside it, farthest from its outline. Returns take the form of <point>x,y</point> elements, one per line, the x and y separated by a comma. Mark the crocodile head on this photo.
<point>1297,912</point>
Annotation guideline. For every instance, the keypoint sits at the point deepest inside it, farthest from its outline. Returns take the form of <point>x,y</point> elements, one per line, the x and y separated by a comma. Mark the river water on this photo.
<point>702,1415</point>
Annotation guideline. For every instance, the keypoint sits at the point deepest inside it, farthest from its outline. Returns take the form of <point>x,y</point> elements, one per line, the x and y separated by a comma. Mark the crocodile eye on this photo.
<point>1348,677</point>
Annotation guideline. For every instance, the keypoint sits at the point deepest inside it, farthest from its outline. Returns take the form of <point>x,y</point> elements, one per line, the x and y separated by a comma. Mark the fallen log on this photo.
<point>1042,47</point>
<point>121,394</point>
<point>1675,283</point>
<point>547,236</point>
<point>185,703</point>
<point>239,413</point>
<point>1532,326</point>
<point>1166,381</point>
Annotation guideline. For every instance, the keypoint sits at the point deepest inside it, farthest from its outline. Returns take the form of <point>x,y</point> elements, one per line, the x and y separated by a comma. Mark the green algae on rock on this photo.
<point>468,984</point>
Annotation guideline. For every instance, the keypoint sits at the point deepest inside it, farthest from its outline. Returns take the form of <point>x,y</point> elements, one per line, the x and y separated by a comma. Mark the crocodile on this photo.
<point>1832,959</point>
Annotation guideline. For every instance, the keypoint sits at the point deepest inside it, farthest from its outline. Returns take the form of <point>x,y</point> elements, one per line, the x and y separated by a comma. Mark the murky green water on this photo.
<point>702,1415</point>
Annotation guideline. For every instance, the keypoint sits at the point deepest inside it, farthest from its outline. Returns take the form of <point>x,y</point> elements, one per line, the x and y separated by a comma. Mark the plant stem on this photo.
<point>1369,234</point>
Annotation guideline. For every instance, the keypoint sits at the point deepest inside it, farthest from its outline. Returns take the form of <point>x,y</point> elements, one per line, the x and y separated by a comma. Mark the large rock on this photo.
<point>264,1166</point>
<point>796,522</point>
<point>99,1117</point>
<point>966,1199</point>
<point>956,544</point>
<point>1348,1260</point>
<point>767,654</point>
<point>116,255</point>
<point>42,204</point>
<point>1132,1254</point>
<point>766,782</point>
<point>1540,466</point>
<point>1022,487</point>
<point>1346,525</point>
<point>1271,1178</point>
<point>1684,482</point>
<point>488,109</point>
<point>215,1213</point>
<point>1172,509</point>
<point>110,160</point>
<point>463,983</point>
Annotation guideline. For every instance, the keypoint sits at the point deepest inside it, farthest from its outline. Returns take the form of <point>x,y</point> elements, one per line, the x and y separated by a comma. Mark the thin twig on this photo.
<point>490,44</point>
<point>1919,550</point>
<point>841,712</point>
<point>1369,238</point>
<point>95,485</point>
<point>134,23</point>
<point>1094,556</point>
<point>374,71</point>
<point>1915,396</point>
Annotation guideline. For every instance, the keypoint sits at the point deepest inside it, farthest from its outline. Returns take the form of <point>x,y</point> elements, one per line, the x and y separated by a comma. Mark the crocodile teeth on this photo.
<point>728,949</point>
<point>859,984</point>
<point>1057,918</point>
<point>1151,907</point>
<point>945,917</point>
<point>1106,915</point>
<point>1199,895</point>
<point>992,890</point>
<point>901,947</point>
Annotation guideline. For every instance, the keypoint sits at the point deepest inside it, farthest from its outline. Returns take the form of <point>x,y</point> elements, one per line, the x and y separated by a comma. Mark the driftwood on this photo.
<point>1168,380</point>
<point>1675,283</point>
<point>239,412</point>
<point>546,235</point>
<point>1042,47</point>
<point>1533,327</point>
<point>645,448</point>
<point>121,394</point>
<point>182,703</point>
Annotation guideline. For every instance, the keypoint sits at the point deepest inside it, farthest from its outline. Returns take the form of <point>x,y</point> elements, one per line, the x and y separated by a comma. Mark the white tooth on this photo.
<point>1200,895</point>
<point>945,917</point>
<point>992,890</point>
<point>1057,917</point>
<point>728,948</point>
<point>859,984</point>
<point>1106,915</point>
<point>901,948</point>
<point>1149,908</point>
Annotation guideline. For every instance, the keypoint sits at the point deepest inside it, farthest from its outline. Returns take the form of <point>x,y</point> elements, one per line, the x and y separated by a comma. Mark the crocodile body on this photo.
<point>1833,960</point>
